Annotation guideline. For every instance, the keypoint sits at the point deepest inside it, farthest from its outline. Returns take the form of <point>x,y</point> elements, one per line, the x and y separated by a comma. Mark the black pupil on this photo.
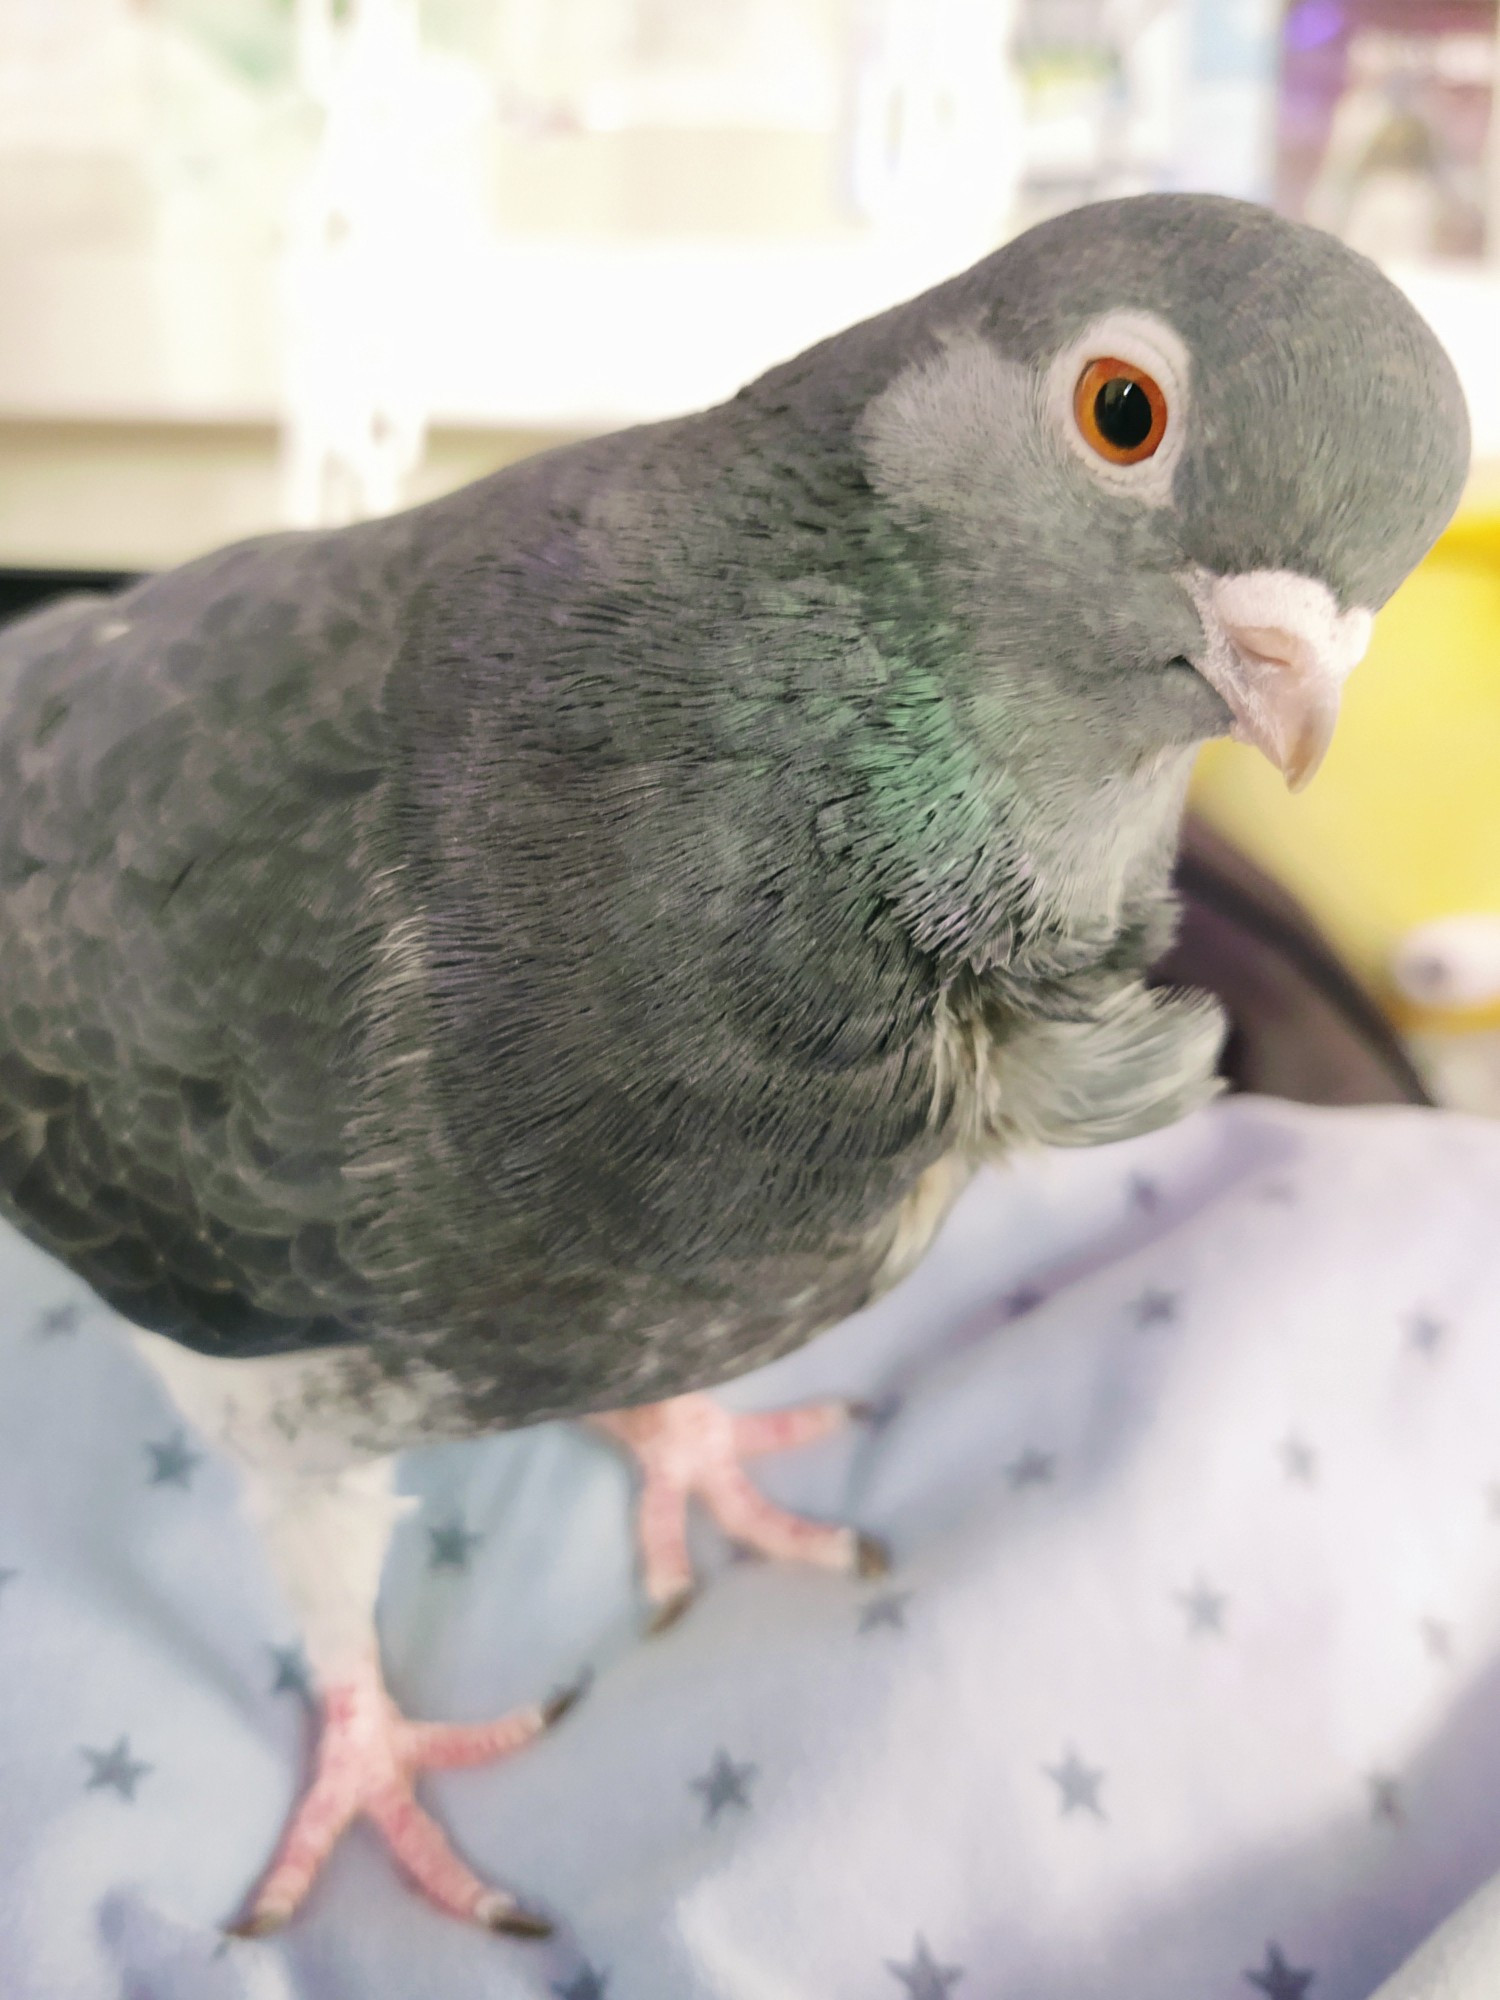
<point>1122,410</point>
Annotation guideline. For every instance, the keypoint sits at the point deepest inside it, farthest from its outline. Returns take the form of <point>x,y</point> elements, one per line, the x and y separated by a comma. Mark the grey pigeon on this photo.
<point>555,949</point>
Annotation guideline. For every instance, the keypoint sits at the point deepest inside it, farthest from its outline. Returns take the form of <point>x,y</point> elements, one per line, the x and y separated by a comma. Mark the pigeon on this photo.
<point>548,952</point>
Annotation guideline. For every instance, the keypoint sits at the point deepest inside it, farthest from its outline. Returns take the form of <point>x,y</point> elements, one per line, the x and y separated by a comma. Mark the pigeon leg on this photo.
<point>689,1445</point>
<point>368,1758</point>
<point>326,1507</point>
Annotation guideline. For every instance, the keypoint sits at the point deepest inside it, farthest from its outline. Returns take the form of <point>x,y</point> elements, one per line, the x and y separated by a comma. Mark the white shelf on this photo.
<point>528,335</point>
<point>535,335</point>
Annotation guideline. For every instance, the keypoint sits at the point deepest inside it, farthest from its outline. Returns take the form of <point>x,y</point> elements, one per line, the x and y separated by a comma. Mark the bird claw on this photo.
<point>259,1924</point>
<point>666,1614</point>
<point>508,1919</point>
<point>558,1706</point>
<point>872,1558</point>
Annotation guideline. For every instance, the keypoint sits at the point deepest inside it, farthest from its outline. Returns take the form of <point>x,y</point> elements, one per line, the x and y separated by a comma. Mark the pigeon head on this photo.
<point>1170,454</point>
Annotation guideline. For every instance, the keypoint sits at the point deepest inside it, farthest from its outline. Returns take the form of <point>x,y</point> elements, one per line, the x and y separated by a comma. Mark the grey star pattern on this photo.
<point>1298,1460</point>
<point>1426,1333</point>
<point>1277,1979</point>
<point>1385,1799</point>
<point>887,1610</point>
<point>1024,1299</point>
<point>1032,1468</point>
<point>291,1671</point>
<point>1282,1194</point>
<point>1205,1607</point>
<point>588,1985</point>
<point>1078,1784</point>
<point>1437,1637</point>
<point>172,1462</point>
<point>924,1978</point>
<point>1154,1308</point>
<point>115,1769</point>
<point>452,1545</point>
<point>724,1784</point>
<point>1144,1194</point>
<point>880,1414</point>
<point>6,1576</point>
<point>57,1321</point>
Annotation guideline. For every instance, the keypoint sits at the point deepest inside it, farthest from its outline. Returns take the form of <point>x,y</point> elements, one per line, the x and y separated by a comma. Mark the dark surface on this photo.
<point>1302,1027</point>
<point>23,590</point>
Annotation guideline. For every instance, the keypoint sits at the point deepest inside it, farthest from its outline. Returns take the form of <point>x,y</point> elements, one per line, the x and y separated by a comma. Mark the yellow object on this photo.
<point>1402,824</point>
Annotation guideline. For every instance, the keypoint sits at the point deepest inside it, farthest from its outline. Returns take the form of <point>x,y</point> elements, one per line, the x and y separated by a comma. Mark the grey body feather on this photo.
<point>578,936</point>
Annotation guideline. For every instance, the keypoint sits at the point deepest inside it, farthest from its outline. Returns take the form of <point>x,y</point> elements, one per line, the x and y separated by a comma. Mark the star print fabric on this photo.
<point>1184,1685</point>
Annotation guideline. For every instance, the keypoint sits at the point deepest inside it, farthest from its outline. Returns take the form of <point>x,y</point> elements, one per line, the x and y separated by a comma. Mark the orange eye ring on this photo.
<point>1109,411</point>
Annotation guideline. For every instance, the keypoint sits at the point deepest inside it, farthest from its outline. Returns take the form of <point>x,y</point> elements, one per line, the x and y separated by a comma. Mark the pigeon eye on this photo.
<point>1120,409</point>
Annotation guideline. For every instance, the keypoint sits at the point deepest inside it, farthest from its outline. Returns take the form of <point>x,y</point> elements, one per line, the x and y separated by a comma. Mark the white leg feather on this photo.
<point>326,1507</point>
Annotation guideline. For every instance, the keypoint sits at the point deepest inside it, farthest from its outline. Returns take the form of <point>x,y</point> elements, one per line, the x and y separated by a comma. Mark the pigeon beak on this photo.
<point>1278,649</point>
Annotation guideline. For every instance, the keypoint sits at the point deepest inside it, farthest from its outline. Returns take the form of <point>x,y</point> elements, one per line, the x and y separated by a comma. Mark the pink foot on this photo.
<point>368,1756</point>
<point>689,1445</point>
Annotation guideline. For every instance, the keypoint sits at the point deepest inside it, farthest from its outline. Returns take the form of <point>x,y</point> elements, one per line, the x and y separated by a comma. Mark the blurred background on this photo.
<point>290,262</point>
